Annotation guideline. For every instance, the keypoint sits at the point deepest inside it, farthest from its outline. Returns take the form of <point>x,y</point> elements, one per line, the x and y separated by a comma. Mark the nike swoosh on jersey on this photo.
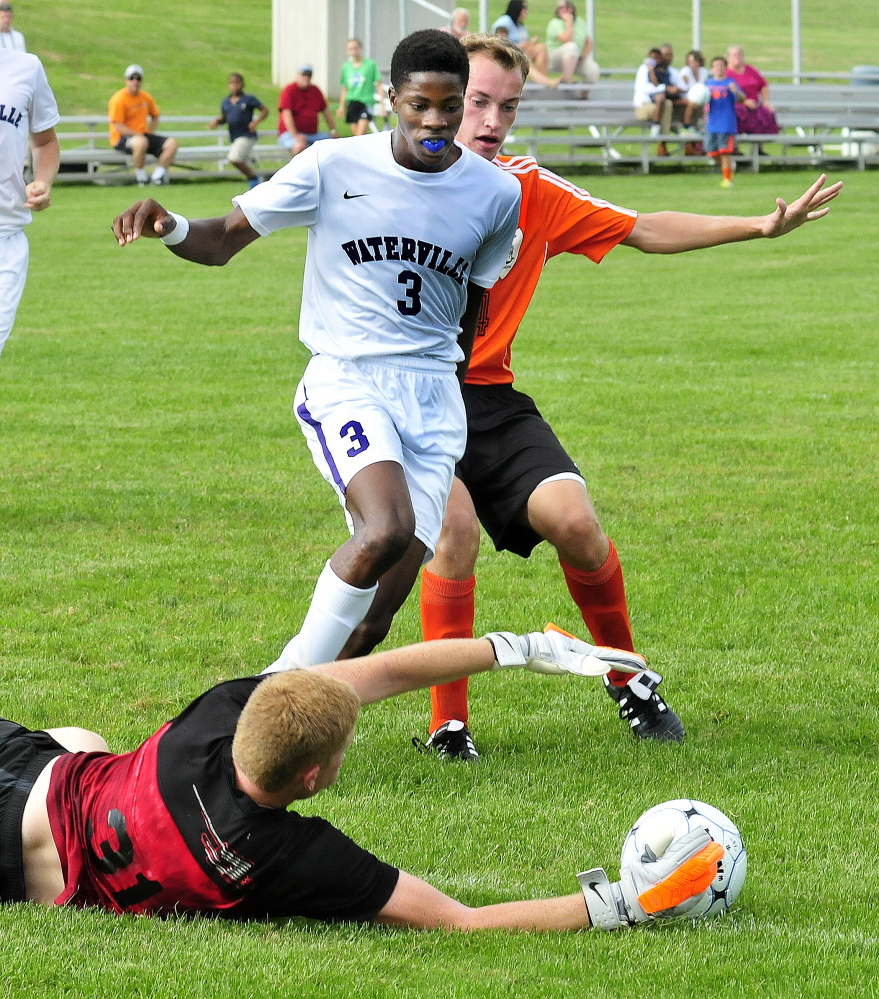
<point>348,197</point>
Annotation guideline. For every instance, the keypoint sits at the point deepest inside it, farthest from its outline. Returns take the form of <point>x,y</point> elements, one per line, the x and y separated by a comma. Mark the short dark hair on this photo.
<point>237,76</point>
<point>720,59</point>
<point>429,51</point>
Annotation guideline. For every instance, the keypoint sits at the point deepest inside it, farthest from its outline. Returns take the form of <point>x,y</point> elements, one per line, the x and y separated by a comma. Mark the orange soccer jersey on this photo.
<point>556,217</point>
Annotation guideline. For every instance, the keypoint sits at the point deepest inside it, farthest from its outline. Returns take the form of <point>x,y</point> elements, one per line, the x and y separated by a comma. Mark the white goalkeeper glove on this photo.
<point>555,651</point>
<point>652,886</point>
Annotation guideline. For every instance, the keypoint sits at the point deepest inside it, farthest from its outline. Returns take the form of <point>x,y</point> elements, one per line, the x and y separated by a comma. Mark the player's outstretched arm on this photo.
<point>676,232</point>
<point>429,664</point>
<point>658,884</point>
<point>205,241</point>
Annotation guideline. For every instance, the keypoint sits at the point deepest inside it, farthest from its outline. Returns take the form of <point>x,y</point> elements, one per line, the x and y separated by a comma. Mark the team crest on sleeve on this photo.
<point>513,255</point>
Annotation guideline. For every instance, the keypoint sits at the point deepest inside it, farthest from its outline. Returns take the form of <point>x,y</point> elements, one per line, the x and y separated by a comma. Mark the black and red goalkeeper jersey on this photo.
<point>166,830</point>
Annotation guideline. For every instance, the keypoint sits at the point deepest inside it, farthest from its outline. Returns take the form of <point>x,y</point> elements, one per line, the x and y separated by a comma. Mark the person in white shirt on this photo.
<point>28,115</point>
<point>9,37</point>
<point>406,232</point>
<point>694,71</point>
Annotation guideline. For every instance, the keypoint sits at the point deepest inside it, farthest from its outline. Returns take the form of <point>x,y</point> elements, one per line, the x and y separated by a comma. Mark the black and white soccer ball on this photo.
<point>659,825</point>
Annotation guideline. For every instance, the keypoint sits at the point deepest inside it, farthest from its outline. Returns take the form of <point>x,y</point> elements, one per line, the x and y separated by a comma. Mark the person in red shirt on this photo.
<point>195,820</point>
<point>515,476</point>
<point>299,105</point>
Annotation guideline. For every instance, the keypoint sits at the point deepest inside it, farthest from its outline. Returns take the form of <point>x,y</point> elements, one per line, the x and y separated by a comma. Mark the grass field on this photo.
<point>188,49</point>
<point>162,527</point>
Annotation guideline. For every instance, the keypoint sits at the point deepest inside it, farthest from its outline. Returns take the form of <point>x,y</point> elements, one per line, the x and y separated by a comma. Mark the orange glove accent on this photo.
<point>689,880</point>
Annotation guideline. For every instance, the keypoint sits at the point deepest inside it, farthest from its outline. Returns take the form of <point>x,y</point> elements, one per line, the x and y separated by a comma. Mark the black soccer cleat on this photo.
<point>451,741</point>
<point>648,715</point>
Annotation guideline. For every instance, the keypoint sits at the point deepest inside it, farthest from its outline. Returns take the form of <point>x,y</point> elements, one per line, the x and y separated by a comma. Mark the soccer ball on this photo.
<point>659,825</point>
<point>699,94</point>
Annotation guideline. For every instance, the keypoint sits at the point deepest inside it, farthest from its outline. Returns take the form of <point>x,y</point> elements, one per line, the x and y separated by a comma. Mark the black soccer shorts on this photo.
<point>511,449</point>
<point>23,755</point>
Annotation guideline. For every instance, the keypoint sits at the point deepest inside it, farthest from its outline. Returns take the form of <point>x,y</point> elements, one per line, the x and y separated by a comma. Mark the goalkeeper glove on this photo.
<point>653,885</point>
<point>557,652</point>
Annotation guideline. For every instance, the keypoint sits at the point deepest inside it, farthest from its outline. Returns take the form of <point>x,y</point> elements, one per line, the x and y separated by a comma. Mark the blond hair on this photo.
<point>499,50</point>
<point>290,721</point>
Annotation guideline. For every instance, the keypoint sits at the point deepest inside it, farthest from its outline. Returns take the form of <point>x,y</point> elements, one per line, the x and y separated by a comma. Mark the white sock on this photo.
<point>158,174</point>
<point>140,174</point>
<point>335,611</point>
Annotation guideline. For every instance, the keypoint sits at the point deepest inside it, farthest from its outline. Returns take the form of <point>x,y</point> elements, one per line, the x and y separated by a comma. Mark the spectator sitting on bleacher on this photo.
<point>134,116</point>
<point>298,107</point>
<point>460,26</point>
<point>694,70</point>
<point>9,37</point>
<point>755,116</point>
<point>649,96</point>
<point>512,21</point>
<point>569,45</point>
<point>236,111</point>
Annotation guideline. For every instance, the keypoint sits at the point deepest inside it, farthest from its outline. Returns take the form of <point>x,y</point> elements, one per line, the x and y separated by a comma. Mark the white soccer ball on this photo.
<point>699,94</point>
<point>659,825</point>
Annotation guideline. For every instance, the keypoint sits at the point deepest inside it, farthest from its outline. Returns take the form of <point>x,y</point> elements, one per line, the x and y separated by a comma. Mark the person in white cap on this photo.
<point>298,107</point>
<point>28,115</point>
<point>134,116</point>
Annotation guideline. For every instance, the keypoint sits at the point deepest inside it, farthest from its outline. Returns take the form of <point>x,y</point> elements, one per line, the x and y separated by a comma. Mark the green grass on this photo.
<point>188,49</point>
<point>161,527</point>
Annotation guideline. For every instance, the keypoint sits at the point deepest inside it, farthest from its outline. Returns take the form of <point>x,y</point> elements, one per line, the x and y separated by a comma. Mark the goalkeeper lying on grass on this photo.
<point>196,820</point>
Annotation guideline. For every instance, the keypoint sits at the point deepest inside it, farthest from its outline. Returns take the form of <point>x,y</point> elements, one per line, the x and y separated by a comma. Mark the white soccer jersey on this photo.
<point>27,105</point>
<point>390,250</point>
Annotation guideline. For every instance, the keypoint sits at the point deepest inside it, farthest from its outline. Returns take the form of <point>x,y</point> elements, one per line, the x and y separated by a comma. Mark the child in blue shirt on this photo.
<point>720,127</point>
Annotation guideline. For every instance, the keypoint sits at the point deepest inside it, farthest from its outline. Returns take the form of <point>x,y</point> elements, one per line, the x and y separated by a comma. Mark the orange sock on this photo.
<point>601,598</point>
<point>447,611</point>
<point>727,173</point>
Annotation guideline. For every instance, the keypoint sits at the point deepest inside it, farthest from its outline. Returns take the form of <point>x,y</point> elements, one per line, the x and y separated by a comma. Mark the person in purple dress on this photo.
<point>755,115</point>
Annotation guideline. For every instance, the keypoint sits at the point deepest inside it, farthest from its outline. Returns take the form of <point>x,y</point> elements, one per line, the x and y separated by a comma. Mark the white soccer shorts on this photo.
<point>13,274</point>
<point>407,410</point>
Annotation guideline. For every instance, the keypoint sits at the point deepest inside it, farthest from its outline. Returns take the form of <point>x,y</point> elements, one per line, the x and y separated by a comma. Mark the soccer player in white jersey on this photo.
<point>28,115</point>
<point>406,230</point>
<point>515,474</point>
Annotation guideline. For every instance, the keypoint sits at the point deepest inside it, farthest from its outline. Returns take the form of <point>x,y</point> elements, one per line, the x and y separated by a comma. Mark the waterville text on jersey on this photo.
<point>14,116</point>
<point>413,251</point>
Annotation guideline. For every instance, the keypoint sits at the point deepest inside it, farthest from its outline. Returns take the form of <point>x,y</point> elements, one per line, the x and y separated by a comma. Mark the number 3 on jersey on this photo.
<point>412,305</point>
<point>354,432</point>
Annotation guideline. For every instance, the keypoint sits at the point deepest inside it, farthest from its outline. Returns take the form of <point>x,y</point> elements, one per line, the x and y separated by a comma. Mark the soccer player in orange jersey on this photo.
<point>515,477</point>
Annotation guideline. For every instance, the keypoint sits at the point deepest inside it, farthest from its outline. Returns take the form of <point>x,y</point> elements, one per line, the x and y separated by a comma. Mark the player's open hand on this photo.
<point>144,218</point>
<point>811,206</point>
<point>38,196</point>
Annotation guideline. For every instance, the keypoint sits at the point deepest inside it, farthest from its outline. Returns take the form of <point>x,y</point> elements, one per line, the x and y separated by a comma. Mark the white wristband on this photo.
<point>179,232</point>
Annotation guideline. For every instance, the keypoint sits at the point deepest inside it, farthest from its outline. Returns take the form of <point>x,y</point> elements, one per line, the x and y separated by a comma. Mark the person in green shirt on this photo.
<point>569,45</point>
<point>361,81</point>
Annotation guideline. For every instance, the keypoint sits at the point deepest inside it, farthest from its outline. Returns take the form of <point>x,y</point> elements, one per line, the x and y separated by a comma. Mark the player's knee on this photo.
<point>579,531</point>
<point>387,541</point>
<point>170,146</point>
<point>458,545</point>
<point>137,143</point>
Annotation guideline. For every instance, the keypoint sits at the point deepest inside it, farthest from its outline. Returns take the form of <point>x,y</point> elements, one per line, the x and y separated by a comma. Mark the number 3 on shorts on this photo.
<point>354,432</point>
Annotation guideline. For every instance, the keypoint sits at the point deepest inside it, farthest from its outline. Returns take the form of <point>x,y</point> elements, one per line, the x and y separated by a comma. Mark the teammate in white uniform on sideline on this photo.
<point>28,114</point>
<point>406,231</point>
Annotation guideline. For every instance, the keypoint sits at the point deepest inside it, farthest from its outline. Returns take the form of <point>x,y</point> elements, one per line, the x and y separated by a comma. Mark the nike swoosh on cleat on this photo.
<point>348,196</point>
